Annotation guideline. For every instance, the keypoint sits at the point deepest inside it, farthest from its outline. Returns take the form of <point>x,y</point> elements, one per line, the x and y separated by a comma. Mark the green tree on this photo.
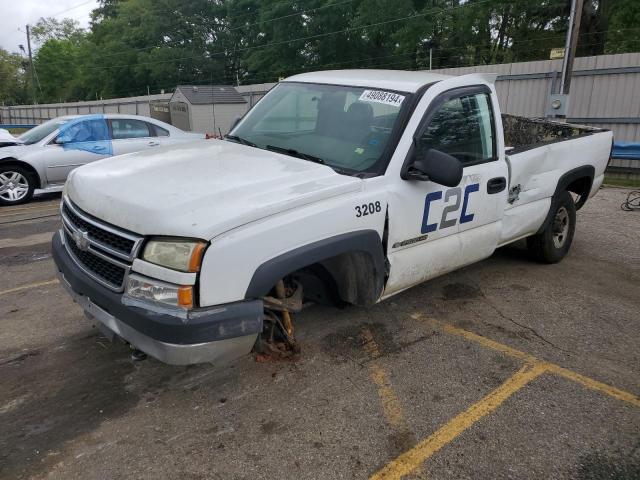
<point>135,45</point>
<point>13,84</point>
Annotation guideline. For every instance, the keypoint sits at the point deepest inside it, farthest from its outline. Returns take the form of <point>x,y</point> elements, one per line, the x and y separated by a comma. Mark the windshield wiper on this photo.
<point>295,153</point>
<point>241,140</point>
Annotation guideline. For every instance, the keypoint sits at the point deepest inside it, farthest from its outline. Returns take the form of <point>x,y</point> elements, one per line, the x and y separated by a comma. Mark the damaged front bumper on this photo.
<point>212,334</point>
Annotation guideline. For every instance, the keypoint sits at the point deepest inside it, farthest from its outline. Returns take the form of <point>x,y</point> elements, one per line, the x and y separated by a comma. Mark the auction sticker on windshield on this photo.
<point>388,98</point>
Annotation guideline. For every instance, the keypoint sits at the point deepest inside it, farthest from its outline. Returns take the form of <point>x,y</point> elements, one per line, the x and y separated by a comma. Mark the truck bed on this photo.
<point>539,152</point>
<point>521,133</point>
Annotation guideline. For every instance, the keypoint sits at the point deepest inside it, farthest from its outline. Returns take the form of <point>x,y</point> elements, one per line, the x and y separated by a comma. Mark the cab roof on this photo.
<point>400,80</point>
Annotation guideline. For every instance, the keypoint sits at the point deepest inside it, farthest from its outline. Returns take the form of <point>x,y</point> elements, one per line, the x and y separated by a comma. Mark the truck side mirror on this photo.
<point>437,166</point>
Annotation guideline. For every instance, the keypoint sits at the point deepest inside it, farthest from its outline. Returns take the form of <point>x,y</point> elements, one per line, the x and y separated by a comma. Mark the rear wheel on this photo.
<point>554,242</point>
<point>16,185</point>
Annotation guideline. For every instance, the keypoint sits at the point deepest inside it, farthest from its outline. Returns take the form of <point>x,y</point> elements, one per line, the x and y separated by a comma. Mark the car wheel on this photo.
<point>554,242</point>
<point>16,185</point>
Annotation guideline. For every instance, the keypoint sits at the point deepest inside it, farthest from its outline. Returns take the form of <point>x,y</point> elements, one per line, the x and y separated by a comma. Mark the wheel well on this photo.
<point>348,278</point>
<point>26,166</point>
<point>582,187</point>
<point>350,267</point>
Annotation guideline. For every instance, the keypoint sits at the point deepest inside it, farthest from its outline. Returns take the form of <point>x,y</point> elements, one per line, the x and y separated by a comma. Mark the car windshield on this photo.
<point>38,133</point>
<point>346,128</point>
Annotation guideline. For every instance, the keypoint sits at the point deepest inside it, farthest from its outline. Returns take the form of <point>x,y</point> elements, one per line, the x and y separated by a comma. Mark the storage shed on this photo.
<point>206,108</point>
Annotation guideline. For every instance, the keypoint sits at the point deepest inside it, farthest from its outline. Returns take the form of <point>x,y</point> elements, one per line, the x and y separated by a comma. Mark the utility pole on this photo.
<point>33,76</point>
<point>570,45</point>
<point>559,102</point>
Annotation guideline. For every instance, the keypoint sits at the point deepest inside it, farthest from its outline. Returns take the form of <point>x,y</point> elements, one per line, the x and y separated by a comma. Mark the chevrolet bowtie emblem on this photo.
<point>82,240</point>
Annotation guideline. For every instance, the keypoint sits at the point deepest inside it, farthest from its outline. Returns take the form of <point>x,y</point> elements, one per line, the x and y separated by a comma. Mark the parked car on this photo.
<point>347,185</point>
<point>44,155</point>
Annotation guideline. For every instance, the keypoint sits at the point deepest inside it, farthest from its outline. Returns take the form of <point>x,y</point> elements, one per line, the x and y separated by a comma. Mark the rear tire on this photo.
<point>16,185</point>
<point>553,243</point>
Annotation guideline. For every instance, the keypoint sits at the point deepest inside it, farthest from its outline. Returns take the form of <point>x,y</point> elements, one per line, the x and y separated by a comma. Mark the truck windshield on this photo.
<point>38,133</point>
<point>346,128</point>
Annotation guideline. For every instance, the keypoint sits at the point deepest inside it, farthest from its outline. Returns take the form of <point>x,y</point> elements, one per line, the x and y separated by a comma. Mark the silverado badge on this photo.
<point>82,240</point>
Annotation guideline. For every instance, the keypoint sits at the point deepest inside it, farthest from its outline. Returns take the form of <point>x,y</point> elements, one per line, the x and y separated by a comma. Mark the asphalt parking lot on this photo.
<point>505,369</point>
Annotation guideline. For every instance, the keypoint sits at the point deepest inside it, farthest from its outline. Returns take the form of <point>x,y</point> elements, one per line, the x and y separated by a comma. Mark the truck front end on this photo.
<point>144,289</point>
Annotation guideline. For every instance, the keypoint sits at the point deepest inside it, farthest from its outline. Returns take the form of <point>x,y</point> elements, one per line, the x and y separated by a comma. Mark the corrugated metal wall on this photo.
<point>35,114</point>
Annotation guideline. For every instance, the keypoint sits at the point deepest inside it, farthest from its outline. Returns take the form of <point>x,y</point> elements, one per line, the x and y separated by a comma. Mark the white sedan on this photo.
<point>44,156</point>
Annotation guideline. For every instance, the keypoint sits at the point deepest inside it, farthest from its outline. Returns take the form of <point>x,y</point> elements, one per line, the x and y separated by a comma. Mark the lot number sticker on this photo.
<point>388,98</point>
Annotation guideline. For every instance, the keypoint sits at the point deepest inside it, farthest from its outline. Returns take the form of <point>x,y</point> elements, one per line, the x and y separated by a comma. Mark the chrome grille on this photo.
<point>102,251</point>
<point>107,271</point>
<point>98,234</point>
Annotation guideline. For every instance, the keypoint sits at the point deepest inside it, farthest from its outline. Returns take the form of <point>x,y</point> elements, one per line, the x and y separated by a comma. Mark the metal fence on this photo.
<point>36,114</point>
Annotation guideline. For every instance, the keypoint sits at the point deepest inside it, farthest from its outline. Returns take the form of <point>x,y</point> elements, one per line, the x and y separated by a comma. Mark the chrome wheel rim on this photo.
<point>560,227</point>
<point>13,186</point>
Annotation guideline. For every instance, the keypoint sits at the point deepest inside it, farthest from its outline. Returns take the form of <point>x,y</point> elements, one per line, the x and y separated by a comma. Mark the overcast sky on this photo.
<point>15,14</point>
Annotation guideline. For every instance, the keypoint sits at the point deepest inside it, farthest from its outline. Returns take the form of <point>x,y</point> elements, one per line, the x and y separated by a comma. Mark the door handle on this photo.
<point>496,185</point>
<point>97,148</point>
<point>153,144</point>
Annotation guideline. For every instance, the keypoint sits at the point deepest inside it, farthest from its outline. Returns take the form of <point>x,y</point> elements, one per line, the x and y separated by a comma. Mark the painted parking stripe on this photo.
<point>556,369</point>
<point>414,458</point>
<point>29,286</point>
<point>390,403</point>
<point>596,385</point>
<point>411,460</point>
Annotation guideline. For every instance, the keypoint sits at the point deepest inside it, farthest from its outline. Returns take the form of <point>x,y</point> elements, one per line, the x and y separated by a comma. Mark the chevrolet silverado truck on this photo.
<point>337,186</point>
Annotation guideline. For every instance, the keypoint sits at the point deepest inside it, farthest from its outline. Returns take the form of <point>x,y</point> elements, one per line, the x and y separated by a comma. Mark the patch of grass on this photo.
<point>17,131</point>
<point>621,182</point>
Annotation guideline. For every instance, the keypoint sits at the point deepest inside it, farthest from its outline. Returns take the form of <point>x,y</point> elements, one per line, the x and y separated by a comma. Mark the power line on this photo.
<point>72,8</point>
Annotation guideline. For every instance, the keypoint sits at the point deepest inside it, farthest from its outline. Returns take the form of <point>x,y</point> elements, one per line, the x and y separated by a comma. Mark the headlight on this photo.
<point>183,255</point>
<point>145,288</point>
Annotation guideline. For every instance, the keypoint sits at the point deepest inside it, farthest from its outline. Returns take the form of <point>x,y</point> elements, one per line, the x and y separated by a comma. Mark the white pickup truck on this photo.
<point>346,186</point>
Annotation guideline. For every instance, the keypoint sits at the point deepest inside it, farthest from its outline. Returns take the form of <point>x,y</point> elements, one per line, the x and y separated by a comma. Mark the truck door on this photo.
<point>434,229</point>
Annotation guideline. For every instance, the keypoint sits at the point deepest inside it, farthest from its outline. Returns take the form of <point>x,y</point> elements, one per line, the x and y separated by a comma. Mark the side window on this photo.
<point>462,127</point>
<point>129,128</point>
<point>86,131</point>
<point>159,131</point>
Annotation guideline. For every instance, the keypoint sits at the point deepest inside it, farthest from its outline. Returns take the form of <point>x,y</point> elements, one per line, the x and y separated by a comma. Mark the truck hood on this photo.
<point>200,190</point>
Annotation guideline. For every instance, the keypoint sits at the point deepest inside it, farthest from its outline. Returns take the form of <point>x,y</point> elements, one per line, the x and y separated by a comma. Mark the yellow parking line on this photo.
<point>414,458</point>
<point>595,385</point>
<point>512,352</point>
<point>27,287</point>
<point>488,343</point>
<point>390,403</point>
